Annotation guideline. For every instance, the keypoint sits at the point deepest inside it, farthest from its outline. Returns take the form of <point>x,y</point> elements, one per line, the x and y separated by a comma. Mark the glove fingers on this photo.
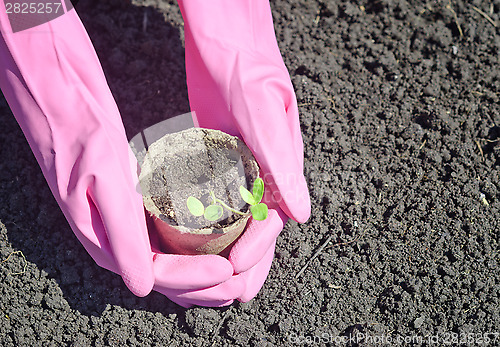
<point>244,286</point>
<point>184,272</point>
<point>256,240</point>
<point>256,276</point>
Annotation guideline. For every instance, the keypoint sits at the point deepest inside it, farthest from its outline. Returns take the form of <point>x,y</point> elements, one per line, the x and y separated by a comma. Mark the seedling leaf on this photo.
<point>259,211</point>
<point>195,206</point>
<point>258,190</point>
<point>213,212</point>
<point>247,196</point>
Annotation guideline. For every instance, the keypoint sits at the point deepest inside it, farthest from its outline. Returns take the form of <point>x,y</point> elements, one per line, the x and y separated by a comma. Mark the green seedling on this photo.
<point>215,210</point>
<point>257,208</point>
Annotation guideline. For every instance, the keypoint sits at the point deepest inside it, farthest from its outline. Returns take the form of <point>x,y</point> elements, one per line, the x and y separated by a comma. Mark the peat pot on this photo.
<point>203,164</point>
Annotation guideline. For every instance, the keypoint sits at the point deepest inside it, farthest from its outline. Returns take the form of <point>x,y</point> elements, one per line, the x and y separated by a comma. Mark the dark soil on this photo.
<point>399,104</point>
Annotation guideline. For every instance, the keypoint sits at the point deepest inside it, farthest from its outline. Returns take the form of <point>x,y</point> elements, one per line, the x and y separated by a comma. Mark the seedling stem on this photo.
<point>216,200</point>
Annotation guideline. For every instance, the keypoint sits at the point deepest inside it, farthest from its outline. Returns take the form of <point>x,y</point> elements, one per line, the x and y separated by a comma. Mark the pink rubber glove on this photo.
<point>53,82</point>
<point>238,83</point>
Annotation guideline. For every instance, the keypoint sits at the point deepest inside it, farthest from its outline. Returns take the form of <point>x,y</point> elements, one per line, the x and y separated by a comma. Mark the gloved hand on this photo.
<point>238,83</point>
<point>53,82</point>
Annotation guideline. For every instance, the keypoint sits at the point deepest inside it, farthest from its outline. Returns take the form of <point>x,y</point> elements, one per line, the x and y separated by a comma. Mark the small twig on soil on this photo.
<point>145,21</point>
<point>455,18</point>
<point>348,242</point>
<point>480,149</point>
<point>470,308</point>
<point>320,249</point>
<point>491,141</point>
<point>316,20</point>
<point>332,100</point>
<point>25,263</point>
<point>219,326</point>
<point>422,145</point>
<point>485,202</point>
<point>488,18</point>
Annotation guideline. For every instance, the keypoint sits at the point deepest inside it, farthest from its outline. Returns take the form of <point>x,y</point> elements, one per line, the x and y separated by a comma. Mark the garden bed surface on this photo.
<point>399,108</point>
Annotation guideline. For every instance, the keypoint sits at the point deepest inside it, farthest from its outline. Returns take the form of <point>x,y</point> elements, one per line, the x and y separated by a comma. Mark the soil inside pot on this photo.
<point>197,162</point>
